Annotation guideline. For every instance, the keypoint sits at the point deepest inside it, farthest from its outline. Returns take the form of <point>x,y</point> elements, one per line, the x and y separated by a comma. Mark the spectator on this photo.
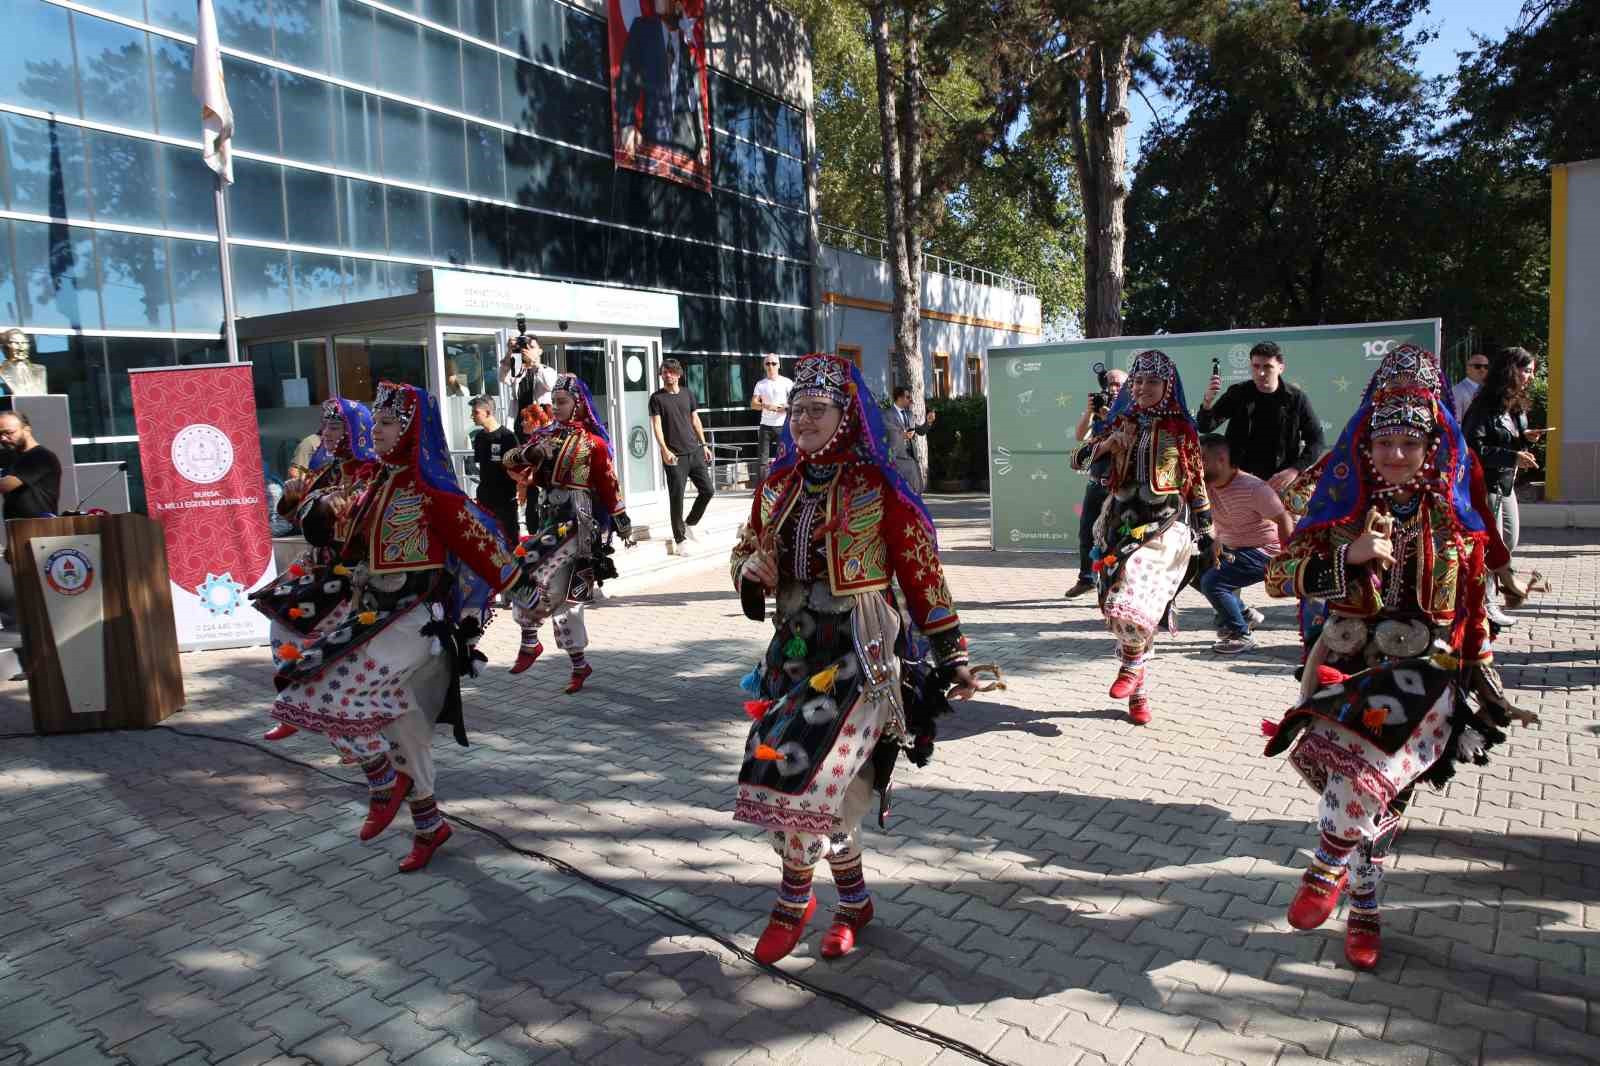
<point>772,400</point>
<point>1251,527</point>
<point>497,492</point>
<point>526,378</point>
<point>1091,427</point>
<point>301,462</point>
<point>682,440</point>
<point>31,485</point>
<point>533,416</point>
<point>1272,431</point>
<point>1496,428</point>
<point>1461,396</point>
<point>903,432</point>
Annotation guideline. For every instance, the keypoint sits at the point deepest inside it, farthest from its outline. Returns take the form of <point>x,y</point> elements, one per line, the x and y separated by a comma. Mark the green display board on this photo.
<point>1037,392</point>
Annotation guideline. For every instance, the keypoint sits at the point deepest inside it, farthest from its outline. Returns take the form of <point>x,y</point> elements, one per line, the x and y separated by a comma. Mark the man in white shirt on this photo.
<point>526,378</point>
<point>772,400</point>
<point>1467,388</point>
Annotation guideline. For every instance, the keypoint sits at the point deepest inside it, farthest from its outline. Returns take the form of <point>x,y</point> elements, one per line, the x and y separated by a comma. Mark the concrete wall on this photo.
<point>959,318</point>
<point>1575,327</point>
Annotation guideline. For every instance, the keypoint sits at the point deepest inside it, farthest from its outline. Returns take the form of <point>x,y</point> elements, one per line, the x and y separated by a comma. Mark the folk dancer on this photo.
<point>1400,684</point>
<point>831,526</point>
<point>416,567</point>
<point>1155,518</point>
<point>570,459</point>
<point>344,462</point>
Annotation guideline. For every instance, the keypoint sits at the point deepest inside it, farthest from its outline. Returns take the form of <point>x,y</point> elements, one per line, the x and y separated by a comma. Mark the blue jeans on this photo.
<point>1221,584</point>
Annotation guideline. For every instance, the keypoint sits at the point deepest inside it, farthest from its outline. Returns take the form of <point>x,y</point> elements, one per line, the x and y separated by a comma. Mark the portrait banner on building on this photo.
<point>201,455</point>
<point>660,92</point>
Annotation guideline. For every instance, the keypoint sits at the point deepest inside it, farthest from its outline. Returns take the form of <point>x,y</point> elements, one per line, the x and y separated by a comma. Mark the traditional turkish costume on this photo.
<point>847,679</point>
<point>1400,683</point>
<point>343,470</point>
<point>571,552</point>
<point>415,567</point>
<point>1156,516</point>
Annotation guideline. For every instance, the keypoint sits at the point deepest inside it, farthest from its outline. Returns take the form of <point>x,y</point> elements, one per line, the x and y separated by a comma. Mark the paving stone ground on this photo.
<point>1058,887</point>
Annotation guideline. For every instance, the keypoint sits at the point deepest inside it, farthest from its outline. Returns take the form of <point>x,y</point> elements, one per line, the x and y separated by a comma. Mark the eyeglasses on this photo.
<point>773,363</point>
<point>1477,366</point>
<point>811,412</point>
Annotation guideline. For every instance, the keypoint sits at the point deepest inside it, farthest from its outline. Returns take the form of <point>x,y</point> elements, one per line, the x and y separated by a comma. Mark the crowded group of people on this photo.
<point>1389,542</point>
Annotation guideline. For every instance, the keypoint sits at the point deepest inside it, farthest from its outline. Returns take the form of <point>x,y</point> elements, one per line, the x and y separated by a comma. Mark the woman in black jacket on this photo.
<point>1496,427</point>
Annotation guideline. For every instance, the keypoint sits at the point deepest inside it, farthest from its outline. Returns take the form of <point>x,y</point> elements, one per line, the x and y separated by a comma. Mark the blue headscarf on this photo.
<point>357,432</point>
<point>1159,363</point>
<point>418,410</point>
<point>584,412</point>
<point>861,434</point>
<point>1408,374</point>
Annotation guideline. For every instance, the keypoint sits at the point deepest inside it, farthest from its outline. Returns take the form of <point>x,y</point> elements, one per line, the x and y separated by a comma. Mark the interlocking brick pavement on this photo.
<point>1058,887</point>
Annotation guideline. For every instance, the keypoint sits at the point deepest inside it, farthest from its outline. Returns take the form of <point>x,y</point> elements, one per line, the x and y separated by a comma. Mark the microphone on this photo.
<point>122,468</point>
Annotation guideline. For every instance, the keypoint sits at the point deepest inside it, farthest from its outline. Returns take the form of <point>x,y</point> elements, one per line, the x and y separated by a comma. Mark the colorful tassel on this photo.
<point>1374,717</point>
<point>822,680</point>
<point>341,570</point>
<point>366,618</point>
<point>751,682</point>
<point>1269,728</point>
<point>288,652</point>
<point>1328,676</point>
<point>296,570</point>
<point>295,612</point>
<point>757,709</point>
<point>767,753</point>
<point>795,648</point>
<point>519,551</point>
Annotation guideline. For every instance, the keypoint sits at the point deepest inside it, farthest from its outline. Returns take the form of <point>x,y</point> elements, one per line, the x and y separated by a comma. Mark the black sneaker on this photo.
<point>1083,586</point>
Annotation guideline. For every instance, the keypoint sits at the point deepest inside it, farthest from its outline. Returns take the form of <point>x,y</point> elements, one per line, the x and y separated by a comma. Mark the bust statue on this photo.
<point>21,375</point>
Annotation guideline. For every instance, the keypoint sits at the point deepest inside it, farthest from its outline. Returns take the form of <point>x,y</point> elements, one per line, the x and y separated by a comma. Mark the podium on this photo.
<point>95,603</point>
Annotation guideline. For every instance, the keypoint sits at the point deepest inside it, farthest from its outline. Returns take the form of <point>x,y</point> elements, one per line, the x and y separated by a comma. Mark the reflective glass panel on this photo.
<point>447,152</point>
<point>514,24</point>
<point>260,280</point>
<point>123,354</point>
<point>125,180</point>
<point>356,131</point>
<point>584,48</point>
<point>173,14</point>
<point>196,285</point>
<point>291,381</point>
<point>193,351</point>
<point>403,157</point>
<point>364,279</point>
<point>488,222</point>
<point>134,289</point>
<point>450,241</point>
<point>444,12</point>
<point>361,216</point>
<point>352,42</point>
<point>44,162</point>
<point>402,278</point>
<point>255,200</point>
<point>470,369</point>
<point>301,34</point>
<point>113,72</point>
<point>477,18</point>
<point>480,76</point>
<point>399,43</point>
<point>310,115</point>
<point>546,29</point>
<point>408,221</point>
<point>254,106</point>
<point>398,355</point>
<point>40,72</point>
<point>187,186</point>
<point>486,161</point>
<point>75,368</point>
<point>318,280</point>
<point>172,63</point>
<point>314,218</point>
<point>245,24</point>
<point>55,267</point>
<point>441,54</point>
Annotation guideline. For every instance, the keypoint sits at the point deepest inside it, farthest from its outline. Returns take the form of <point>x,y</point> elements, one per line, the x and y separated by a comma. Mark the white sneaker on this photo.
<point>690,533</point>
<point>674,548</point>
<point>1255,616</point>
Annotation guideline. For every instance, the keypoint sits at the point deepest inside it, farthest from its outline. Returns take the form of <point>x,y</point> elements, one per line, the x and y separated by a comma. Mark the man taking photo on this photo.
<point>1272,431</point>
<point>1091,425</point>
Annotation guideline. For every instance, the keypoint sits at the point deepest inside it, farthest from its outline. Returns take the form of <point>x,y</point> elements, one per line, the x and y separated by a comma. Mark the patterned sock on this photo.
<point>530,638</point>
<point>1365,877</point>
<point>1328,862</point>
<point>850,881</point>
<point>380,776</point>
<point>794,893</point>
<point>1133,662</point>
<point>578,661</point>
<point>425,817</point>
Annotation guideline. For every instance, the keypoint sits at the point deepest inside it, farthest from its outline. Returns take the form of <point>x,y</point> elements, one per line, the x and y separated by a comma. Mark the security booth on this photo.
<point>449,338</point>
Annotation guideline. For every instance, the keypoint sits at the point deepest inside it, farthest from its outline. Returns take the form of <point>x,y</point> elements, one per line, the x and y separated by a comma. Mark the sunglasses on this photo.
<point>1477,366</point>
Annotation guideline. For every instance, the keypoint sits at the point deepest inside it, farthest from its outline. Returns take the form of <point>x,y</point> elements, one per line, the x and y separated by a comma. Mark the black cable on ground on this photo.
<point>916,1032</point>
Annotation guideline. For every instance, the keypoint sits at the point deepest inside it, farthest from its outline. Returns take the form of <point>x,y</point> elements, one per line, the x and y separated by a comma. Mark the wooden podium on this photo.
<point>143,681</point>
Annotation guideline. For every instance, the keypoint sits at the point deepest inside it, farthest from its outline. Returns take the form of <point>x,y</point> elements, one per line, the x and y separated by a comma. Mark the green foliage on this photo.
<point>958,440</point>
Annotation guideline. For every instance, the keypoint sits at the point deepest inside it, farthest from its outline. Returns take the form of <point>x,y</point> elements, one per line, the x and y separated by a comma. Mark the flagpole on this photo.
<point>229,326</point>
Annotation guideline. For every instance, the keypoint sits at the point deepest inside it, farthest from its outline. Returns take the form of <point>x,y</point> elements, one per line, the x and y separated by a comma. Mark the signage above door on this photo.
<point>461,292</point>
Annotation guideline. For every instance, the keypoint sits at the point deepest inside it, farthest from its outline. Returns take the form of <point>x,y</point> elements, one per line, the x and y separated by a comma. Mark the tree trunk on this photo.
<point>1108,137</point>
<point>1089,196</point>
<point>908,312</point>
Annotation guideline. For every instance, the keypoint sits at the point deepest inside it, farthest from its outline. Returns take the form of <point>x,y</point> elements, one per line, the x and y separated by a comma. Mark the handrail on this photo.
<point>878,248</point>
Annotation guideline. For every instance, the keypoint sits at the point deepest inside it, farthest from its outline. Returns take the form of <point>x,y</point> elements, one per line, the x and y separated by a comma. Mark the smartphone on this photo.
<point>1216,367</point>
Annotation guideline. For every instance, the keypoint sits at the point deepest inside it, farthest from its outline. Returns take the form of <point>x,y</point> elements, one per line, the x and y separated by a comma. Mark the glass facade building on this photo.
<point>373,142</point>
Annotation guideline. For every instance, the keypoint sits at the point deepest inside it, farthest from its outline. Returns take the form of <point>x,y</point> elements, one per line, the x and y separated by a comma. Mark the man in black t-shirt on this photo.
<point>31,481</point>
<point>1272,431</point>
<point>682,440</point>
<point>497,493</point>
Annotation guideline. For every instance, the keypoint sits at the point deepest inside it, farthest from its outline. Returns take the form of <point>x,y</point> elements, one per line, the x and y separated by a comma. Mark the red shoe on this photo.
<point>579,676</point>
<point>1127,682</point>
<point>280,731</point>
<point>783,932</point>
<point>1139,710</point>
<point>1362,944</point>
<point>379,815</point>
<point>526,658</point>
<point>422,850</point>
<point>1314,902</point>
<point>840,939</point>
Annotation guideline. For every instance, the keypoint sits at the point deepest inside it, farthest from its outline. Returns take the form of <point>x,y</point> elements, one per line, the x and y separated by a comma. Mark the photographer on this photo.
<point>1091,426</point>
<point>525,378</point>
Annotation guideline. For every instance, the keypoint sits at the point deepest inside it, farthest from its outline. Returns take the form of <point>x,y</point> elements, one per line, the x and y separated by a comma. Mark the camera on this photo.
<point>1102,399</point>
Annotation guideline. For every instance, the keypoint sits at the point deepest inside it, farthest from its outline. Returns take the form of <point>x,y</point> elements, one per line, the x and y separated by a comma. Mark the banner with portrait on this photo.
<point>660,92</point>
<point>200,452</point>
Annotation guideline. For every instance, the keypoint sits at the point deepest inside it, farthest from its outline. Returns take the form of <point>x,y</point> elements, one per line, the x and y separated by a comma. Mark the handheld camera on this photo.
<point>1102,399</point>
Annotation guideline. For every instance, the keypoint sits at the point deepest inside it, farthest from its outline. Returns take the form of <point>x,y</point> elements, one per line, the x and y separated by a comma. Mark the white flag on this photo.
<point>216,116</point>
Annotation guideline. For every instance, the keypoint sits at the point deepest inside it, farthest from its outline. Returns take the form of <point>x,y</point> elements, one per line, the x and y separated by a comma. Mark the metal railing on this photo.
<point>878,248</point>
